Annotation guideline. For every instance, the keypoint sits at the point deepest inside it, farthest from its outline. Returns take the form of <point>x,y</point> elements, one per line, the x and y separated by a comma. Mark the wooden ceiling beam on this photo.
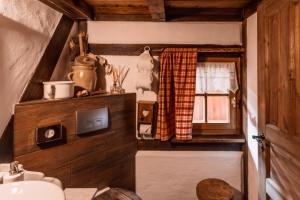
<point>157,10</point>
<point>204,14</point>
<point>250,9</point>
<point>74,9</point>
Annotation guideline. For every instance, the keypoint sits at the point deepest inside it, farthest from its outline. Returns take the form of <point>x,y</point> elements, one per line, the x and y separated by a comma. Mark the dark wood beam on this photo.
<point>118,17</point>
<point>48,61</point>
<point>74,9</point>
<point>6,143</point>
<point>157,10</point>
<point>250,9</point>
<point>204,14</point>
<point>137,49</point>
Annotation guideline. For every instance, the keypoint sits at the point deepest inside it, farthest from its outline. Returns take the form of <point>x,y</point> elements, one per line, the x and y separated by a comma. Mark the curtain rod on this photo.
<point>211,49</point>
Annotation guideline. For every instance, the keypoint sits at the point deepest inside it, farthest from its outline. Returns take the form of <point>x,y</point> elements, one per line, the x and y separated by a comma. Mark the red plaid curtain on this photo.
<point>176,93</point>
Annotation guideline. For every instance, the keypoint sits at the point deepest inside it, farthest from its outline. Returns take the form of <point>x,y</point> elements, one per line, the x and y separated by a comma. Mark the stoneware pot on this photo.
<point>84,76</point>
<point>58,89</point>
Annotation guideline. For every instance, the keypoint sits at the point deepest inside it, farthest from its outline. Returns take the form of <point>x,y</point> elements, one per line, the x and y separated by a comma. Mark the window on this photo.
<point>217,91</point>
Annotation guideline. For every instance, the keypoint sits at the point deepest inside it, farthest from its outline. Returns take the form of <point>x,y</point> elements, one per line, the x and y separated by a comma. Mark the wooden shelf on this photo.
<point>231,139</point>
<point>43,101</point>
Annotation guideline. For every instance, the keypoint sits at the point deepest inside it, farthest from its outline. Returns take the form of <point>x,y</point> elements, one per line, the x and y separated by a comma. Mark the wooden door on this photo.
<point>279,98</point>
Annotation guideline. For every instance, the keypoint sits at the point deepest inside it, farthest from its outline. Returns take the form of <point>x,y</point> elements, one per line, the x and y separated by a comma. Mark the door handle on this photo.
<point>259,137</point>
<point>260,140</point>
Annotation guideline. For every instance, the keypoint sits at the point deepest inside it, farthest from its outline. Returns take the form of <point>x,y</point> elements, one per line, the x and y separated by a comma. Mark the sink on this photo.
<point>31,190</point>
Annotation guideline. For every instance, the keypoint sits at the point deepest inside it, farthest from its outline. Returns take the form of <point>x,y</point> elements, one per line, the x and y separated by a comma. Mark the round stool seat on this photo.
<point>214,189</point>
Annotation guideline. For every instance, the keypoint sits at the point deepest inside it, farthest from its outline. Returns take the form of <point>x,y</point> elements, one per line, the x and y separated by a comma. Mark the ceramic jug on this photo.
<point>84,76</point>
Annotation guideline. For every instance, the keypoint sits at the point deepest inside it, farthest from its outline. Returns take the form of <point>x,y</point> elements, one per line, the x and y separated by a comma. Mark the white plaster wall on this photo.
<point>252,106</point>
<point>171,175</point>
<point>26,27</point>
<point>226,33</point>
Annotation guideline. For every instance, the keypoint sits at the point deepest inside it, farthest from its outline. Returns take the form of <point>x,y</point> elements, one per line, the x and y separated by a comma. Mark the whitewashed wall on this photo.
<point>174,175</point>
<point>26,27</point>
<point>165,33</point>
<point>252,106</point>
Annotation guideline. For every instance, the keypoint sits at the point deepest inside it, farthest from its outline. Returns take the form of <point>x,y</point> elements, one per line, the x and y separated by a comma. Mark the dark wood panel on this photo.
<point>48,61</point>
<point>244,109</point>
<point>121,10</point>
<point>114,3</point>
<point>64,112</point>
<point>103,158</point>
<point>203,14</point>
<point>171,10</point>
<point>156,49</point>
<point>207,3</point>
<point>72,9</point>
<point>6,142</point>
<point>119,17</point>
<point>232,139</point>
<point>250,9</point>
<point>157,10</point>
<point>156,145</point>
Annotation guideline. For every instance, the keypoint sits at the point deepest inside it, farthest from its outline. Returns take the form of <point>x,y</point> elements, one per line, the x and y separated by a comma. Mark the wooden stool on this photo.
<point>215,189</point>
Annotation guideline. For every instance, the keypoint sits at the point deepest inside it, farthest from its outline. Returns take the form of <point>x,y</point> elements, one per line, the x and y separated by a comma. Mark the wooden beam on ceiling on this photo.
<point>74,9</point>
<point>204,14</point>
<point>250,9</point>
<point>157,10</point>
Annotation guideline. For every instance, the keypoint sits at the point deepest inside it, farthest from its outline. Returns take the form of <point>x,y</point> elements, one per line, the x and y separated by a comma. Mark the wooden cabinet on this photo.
<point>279,97</point>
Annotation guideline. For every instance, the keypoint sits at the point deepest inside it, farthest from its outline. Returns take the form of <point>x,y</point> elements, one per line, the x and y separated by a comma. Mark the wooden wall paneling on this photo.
<point>98,159</point>
<point>297,65</point>
<point>157,10</point>
<point>156,49</point>
<point>48,61</point>
<point>62,111</point>
<point>73,9</point>
<point>6,142</point>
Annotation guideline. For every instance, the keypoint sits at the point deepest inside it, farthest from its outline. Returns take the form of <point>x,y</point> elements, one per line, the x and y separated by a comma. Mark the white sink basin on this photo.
<point>31,190</point>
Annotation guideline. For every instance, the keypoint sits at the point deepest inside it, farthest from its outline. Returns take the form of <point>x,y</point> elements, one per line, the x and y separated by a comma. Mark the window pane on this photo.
<point>218,109</point>
<point>199,110</point>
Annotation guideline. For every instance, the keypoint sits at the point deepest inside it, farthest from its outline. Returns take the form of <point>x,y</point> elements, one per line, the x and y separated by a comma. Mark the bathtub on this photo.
<point>173,175</point>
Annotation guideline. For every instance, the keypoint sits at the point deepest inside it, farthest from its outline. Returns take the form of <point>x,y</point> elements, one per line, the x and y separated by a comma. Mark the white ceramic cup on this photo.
<point>58,89</point>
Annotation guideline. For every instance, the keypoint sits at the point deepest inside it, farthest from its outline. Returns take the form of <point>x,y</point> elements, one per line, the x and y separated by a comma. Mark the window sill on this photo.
<point>216,139</point>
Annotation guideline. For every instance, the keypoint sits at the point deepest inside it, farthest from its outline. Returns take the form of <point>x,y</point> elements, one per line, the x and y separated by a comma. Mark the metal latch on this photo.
<point>260,140</point>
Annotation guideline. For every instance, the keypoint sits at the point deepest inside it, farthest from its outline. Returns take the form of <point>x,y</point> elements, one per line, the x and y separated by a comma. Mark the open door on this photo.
<point>279,99</point>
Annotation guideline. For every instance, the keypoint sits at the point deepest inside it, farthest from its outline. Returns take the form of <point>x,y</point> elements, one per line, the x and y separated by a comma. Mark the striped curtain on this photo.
<point>176,93</point>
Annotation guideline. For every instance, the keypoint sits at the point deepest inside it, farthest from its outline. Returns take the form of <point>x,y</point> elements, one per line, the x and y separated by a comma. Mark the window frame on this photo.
<point>235,111</point>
